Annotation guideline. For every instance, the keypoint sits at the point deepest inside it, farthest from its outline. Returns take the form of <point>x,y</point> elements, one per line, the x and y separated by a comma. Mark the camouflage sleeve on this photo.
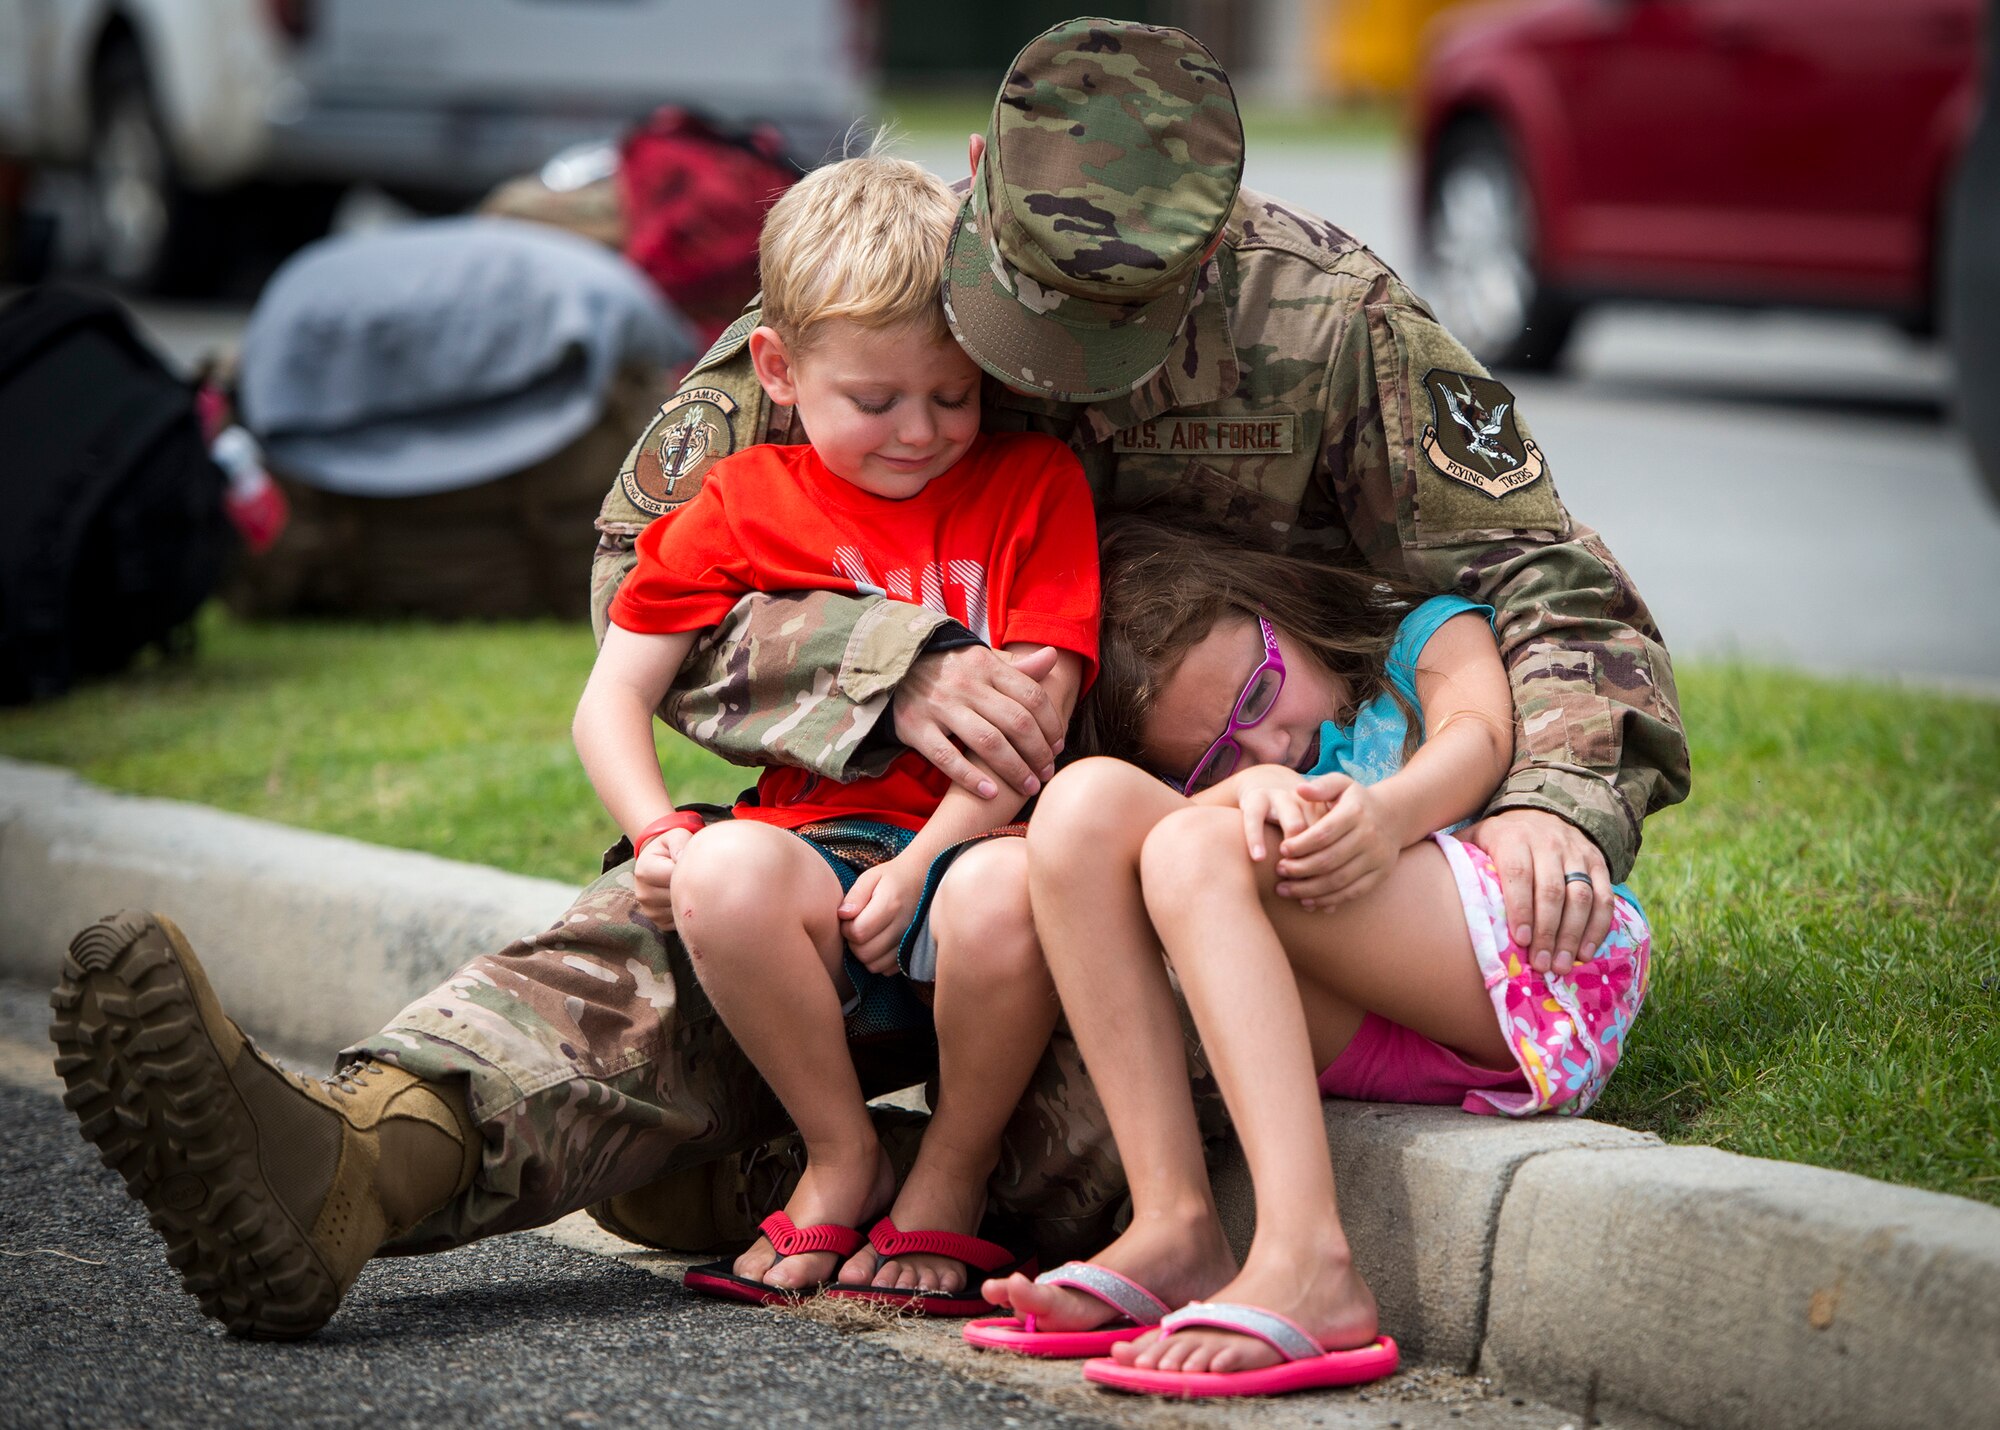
<point>799,679</point>
<point>1442,482</point>
<point>794,679</point>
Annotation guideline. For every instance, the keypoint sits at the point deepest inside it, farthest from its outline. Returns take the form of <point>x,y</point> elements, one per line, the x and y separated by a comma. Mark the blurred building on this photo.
<point>1370,48</point>
<point>1285,51</point>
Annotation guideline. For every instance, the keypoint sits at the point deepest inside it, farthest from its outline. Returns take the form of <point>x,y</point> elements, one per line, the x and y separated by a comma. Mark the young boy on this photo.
<point>796,924</point>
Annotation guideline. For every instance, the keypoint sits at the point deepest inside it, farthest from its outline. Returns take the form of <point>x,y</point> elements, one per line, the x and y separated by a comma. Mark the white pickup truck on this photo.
<point>172,108</point>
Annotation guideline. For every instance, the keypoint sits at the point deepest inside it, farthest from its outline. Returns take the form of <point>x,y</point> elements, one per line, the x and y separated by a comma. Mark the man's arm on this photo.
<point>1431,493</point>
<point>1452,492</point>
<point>804,679</point>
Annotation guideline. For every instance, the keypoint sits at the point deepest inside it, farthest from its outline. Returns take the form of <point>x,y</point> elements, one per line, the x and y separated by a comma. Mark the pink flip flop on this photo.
<point>719,1278</point>
<point>1307,1365</point>
<point>987,1258</point>
<point>1137,1309</point>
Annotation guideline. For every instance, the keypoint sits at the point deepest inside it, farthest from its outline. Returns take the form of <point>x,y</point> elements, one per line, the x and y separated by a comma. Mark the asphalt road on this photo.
<point>519,1331</point>
<point>571,1327</point>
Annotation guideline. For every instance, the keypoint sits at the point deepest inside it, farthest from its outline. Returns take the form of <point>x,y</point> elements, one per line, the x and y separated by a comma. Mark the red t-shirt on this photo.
<point>1004,542</point>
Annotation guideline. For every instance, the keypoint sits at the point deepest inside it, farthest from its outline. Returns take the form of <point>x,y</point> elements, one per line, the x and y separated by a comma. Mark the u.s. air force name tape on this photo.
<point>1210,436</point>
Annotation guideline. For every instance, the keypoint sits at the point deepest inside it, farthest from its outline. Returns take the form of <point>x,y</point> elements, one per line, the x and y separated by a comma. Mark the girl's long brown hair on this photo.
<point>1167,581</point>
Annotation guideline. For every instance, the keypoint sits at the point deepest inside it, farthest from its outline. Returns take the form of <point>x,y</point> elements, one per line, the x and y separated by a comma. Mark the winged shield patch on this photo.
<point>1474,438</point>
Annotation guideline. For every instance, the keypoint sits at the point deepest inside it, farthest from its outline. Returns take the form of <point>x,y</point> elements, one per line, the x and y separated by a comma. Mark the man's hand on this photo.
<point>1345,852</point>
<point>653,875</point>
<point>1561,922</point>
<point>877,910</point>
<point>986,702</point>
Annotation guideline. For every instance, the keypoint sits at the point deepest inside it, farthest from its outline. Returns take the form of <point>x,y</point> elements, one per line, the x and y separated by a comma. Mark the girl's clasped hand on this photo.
<point>1334,839</point>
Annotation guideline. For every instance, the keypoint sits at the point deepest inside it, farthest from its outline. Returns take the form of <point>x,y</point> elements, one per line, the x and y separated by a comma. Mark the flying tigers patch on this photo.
<point>1474,437</point>
<point>695,427</point>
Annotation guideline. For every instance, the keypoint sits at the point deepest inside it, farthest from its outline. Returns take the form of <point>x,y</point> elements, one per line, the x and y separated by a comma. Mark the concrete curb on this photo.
<point>265,905</point>
<point>1421,1191</point>
<point>1580,1263</point>
<point>1706,1288</point>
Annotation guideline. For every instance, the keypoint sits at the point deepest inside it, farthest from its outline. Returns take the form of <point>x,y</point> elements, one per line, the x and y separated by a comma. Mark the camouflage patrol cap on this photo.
<point>1111,163</point>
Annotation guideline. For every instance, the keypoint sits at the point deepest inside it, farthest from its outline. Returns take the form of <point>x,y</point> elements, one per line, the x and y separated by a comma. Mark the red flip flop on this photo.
<point>1307,1365</point>
<point>718,1278</point>
<point>984,1257</point>
<point>1137,1308</point>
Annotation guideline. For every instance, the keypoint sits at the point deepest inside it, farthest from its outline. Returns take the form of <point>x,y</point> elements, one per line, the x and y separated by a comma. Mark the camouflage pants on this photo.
<point>594,1065</point>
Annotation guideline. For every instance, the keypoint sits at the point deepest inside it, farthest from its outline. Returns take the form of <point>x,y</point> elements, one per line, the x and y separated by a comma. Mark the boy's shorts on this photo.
<point>1566,1031</point>
<point>887,1002</point>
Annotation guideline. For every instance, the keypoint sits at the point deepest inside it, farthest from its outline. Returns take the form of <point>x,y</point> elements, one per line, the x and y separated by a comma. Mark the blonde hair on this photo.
<point>862,239</point>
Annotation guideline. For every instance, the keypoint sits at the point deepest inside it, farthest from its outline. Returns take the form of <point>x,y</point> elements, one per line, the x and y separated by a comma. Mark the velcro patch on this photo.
<point>1210,436</point>
<point>1475,438</point>
<point>696,426</point>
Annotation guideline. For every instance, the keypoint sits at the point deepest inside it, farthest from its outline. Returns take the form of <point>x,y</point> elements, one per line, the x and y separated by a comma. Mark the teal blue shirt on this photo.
<point>1370,749</point>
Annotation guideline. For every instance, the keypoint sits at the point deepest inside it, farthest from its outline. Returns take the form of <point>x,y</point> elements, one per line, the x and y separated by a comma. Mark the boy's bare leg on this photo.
<point>1267,1039</point>
<point>994,1007</point>
<point>1084,846</point>
<point>757,908</point>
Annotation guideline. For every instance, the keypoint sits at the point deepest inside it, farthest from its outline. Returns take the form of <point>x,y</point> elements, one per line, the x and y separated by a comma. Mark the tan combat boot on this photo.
<point>270,1189</point>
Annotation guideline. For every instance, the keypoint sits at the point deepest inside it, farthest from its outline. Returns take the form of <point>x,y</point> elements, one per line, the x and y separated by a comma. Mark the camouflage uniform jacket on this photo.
<point>1310,400</point>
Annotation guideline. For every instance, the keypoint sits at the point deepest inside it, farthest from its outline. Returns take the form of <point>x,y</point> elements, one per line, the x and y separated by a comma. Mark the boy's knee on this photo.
<point>733,870</point>
<point>1083,805</point>
<point>981,917</point>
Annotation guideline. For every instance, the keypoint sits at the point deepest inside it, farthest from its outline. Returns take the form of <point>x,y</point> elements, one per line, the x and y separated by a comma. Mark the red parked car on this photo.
<point>1760,151</point>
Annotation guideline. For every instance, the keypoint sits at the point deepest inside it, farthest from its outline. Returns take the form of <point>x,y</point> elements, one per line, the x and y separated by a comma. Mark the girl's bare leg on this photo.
<point>995,1007</point>
<point>757,908</point>
<point>1274,990</point>
<point>1084,846</point>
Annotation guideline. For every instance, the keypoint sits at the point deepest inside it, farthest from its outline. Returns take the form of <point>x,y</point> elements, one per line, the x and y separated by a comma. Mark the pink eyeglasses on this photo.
<point>1260,693</point>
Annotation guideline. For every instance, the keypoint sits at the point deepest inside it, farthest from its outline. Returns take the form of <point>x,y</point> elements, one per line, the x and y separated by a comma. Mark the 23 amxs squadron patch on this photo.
<point>694,428</point>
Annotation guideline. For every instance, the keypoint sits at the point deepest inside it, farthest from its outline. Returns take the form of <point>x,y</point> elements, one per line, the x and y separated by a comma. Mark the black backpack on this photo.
<point>112,527</point>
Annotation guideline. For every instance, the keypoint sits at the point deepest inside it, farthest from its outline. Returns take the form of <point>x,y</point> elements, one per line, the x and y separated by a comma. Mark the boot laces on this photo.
<point>350,1079</point>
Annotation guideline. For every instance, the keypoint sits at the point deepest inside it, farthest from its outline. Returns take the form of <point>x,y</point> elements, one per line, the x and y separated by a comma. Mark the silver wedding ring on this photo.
<point>1576,878</point>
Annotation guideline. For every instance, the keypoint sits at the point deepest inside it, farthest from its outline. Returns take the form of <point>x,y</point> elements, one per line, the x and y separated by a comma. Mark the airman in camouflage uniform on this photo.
<point>1187,339</point>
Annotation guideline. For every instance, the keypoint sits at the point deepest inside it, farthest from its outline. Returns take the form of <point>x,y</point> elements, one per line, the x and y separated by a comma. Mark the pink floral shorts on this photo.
<point>1566,1031</point>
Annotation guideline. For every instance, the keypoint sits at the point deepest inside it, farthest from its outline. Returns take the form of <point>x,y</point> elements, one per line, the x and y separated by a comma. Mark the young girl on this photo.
<point>1304,732</point>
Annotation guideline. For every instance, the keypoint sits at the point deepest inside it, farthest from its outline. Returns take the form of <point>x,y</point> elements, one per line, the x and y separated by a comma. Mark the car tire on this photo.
<point>281,218</point>
<point>1479,227</point>
<point>149,231</point>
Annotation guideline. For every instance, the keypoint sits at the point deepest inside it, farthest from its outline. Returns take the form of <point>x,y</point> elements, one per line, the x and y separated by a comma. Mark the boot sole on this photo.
<point>152,1094</point>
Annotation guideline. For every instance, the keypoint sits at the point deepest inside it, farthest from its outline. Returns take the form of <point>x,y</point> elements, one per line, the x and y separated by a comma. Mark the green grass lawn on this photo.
<point>1827,905</point>
<point>453,740</point>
